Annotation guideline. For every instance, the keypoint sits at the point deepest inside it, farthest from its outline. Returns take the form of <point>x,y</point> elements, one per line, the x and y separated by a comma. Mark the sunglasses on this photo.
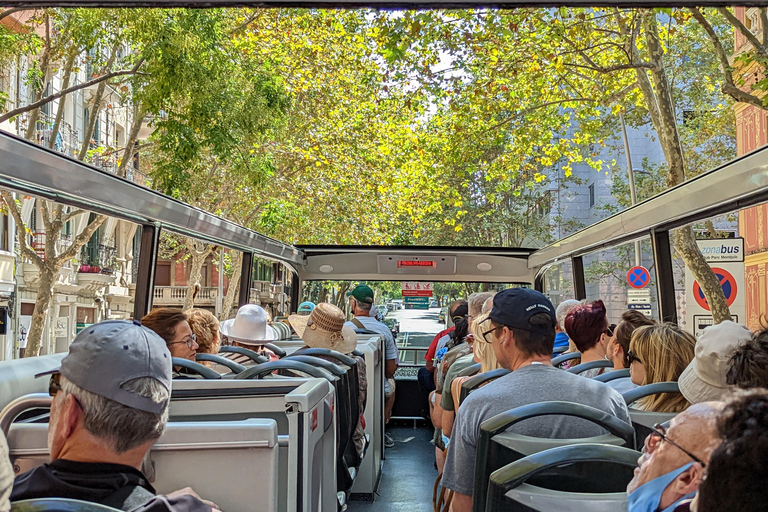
<point>189,340</point>
<point>54,384</point>
<point>632,357</point>
<point>660,432</point>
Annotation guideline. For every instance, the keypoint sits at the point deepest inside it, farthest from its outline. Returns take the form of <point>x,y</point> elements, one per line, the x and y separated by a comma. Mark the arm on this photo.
<point>390,368</point>
<point>461,503</point>
<point>437,412</point>
<point>447,421</point>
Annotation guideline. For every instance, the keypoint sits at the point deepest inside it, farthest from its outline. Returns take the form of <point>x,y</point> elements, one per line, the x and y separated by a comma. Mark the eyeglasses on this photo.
<point>189,340</point>
<point>54,384</point>
<point>661,432</point>
<point>632,358</point>
<point>489,331</point>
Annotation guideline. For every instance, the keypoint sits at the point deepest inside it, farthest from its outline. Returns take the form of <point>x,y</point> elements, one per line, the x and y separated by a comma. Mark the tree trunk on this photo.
<point>234,286</point>
<point>195,270</point>
<point>39,314</point>
<point>96,108</point>
<point>130,150</point>
<point>666,127</point>
<point>342,296</point>
<point>70,63</point>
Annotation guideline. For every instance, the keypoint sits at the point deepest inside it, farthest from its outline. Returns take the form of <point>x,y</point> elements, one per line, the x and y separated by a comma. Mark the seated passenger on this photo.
<point>6,475</point>
<point>205,327</point>
<point>522,334</point>
<point>705,378</point>
<point>618,346</point>
<point>673,461</point>
<point>327,330</point>
<point>172,325</point>
<point>738,468</point>
<point>588,327</point>
<point>110,405</point>
<point>305,308</point>
<point>748,366</point>
<point>660,353</point>
<point>249,329</point>
<point>561,338</point>
<point>426,375</point>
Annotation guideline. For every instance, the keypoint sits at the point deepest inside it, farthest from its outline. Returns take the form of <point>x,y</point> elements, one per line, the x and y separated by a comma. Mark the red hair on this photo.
<point>585,323</point>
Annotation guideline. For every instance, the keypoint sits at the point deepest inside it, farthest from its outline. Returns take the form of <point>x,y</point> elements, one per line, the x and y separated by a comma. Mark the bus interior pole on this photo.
<point>631,175</point>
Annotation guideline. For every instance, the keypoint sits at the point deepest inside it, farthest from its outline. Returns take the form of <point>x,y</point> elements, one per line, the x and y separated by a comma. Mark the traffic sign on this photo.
<point>645,308</point>
<point>639,300</point>
<point>644,292</point>
<point>727,282</point>
<point>638,277</point>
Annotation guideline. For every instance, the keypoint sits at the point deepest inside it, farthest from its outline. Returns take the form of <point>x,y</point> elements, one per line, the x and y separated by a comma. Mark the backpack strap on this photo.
<point>132,495</point>
<point>358,323</point>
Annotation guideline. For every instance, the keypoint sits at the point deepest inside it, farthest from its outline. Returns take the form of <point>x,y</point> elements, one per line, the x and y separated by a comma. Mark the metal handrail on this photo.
<point>21,404</point>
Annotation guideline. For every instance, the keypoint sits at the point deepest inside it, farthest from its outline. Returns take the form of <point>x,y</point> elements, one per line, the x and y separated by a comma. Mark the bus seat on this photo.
<point>214,457</point>
<point>195,369</point>
<point>556,361</point>
<point>17,377</point>
<point>59,505</point>
<point>479,380</point>
<point>470,370</point>
<point>615,374</point>
<point>581,478</point>
<point>583,367</point>
<point>278,351</point>
<point>497,448</point>
<point>262,370</point>
<point>643,421</point>
<point>220,360</point>
<point>230,351</point>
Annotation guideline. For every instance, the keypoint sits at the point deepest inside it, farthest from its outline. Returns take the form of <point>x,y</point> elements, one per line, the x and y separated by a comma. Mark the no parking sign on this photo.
<point>726,257</point>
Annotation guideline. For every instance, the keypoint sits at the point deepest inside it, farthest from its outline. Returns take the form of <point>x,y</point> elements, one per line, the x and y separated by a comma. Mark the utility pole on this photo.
<point>631,174</point>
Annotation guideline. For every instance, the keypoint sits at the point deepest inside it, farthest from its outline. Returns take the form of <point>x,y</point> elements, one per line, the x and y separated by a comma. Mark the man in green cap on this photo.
<point>360,303</point>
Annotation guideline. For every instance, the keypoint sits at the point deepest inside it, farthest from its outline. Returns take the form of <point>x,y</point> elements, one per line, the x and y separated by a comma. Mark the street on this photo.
<point>417,328</point>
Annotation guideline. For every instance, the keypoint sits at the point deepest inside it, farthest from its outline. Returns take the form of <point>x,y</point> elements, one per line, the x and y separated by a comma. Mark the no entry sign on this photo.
<point>638,277</point>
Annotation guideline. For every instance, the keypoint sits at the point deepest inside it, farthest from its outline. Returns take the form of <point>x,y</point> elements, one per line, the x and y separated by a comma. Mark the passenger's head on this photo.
<point>205,327</point>
<point>459,316</point>
<point>522,326</point>
<point>305,308</point>
<point>748,366</point>
<point>361,300</point>
<point>172,325</point>
<point>587,325</point>
<point>475,304</point>
<point>738,468</point>
<point>249,328</point>
<point>660,353</point>
<point>487,305</point>
<point>705,379</point>
<point>618,346</point>
<point>483,346</point>
<point>687,443</point>
<point>562,311</point>
<point>325,328</point>
<point>111,394</point>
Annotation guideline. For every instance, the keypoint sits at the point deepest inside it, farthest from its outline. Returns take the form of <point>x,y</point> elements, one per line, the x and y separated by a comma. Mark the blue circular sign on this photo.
<point>638,277</point>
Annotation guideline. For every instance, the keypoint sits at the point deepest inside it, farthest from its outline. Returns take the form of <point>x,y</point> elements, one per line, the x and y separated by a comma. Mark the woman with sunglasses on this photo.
<point>618,346</point>
<point>588,327</point>
<point>173,326</point>
<point>660,353</point>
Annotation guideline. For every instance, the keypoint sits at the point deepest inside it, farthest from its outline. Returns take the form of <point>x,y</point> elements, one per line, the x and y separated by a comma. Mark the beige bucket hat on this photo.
<point>704,379</point>
<point>324,328</point>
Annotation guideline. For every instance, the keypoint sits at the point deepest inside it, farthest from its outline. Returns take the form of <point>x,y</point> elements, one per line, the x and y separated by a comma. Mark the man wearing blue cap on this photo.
<point>522,333</point>
<point>110,405</point>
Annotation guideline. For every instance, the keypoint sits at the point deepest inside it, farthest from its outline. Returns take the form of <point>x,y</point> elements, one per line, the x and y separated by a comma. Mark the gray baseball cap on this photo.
<point>108,354</point>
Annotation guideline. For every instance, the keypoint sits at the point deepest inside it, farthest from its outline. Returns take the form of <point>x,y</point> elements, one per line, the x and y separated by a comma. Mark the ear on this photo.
<point>71,414</point>
<point>688,481</point>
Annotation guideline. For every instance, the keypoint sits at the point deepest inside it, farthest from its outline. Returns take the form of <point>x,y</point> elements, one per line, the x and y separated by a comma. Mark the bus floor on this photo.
<point>408,473</point>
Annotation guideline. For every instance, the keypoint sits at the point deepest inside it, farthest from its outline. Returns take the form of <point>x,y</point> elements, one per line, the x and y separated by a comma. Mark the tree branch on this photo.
<point>48,99</point>
<point>14,10</point>
<point>21,232</point>
<point>74,213</point>
<point>764,24</point>
<point>531,109</point>
<point>733,20</point>
<point>611,69</point>
<point>80,240</point>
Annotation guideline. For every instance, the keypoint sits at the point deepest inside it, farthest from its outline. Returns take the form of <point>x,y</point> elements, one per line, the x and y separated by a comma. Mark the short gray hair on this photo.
<point>365,306</point>
<point>563,309</point>
<point>488,305</point>
<point>476,302</point>
<point>123,427</point>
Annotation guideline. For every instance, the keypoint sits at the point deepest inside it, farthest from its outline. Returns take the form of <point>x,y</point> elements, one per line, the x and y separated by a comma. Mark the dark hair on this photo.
<point>164,322</point>
<point>749,363</point>
<point>738,468</point>
<point>630,320</point>
<point>538,339</point>
<point>585,323</point>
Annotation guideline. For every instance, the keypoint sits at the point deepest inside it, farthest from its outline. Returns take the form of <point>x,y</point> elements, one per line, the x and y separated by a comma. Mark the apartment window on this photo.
<point>592,195</point>
<point>4,233</point>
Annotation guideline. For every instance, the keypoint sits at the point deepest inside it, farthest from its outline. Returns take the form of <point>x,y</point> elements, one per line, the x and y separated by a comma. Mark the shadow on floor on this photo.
<point>407,476</point>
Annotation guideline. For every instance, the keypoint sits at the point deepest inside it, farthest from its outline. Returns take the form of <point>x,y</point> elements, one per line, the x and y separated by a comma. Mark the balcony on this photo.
<point>67,139</point>
<point>37,242</point>
<point>176,295</point>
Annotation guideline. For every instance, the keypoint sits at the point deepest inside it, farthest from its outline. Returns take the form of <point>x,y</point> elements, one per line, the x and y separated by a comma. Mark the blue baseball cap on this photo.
<point>515,307</point>
<point>306,307</point>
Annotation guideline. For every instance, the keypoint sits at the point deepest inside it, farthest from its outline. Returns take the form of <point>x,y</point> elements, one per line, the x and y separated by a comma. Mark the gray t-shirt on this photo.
<point>526,385</point>
<point>622,385</point>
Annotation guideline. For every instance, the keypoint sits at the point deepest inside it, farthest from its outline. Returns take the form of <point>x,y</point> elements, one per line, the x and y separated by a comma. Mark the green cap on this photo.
<point>362,293</point>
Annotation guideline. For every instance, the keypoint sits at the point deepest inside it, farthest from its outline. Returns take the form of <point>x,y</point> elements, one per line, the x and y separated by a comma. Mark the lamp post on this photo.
<point>630,173</point>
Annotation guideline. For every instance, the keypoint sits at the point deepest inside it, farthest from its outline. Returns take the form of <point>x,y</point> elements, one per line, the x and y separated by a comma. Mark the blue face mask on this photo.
<point>646,498</point>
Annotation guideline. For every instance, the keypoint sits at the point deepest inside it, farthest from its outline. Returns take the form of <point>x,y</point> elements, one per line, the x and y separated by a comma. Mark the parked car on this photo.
<point>433,304</point>
<point>393,325</point>
<point>383,309</point>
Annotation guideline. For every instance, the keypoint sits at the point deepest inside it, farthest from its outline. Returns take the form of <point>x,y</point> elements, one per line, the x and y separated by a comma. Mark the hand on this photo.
<point>191,492</point>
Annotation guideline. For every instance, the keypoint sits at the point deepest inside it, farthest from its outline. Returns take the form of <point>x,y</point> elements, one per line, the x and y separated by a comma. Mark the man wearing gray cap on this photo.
<point>110,405</point>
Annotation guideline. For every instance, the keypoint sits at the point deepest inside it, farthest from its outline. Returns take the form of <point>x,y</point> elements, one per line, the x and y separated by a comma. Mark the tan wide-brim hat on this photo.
<point>250,326</point>
<point>324,328</point>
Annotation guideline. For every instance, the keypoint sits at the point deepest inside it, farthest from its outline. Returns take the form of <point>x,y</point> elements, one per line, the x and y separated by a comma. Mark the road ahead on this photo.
<point>417,328</point>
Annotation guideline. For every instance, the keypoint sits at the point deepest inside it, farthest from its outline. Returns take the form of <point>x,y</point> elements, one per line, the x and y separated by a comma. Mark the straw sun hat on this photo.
<point>324,328</point>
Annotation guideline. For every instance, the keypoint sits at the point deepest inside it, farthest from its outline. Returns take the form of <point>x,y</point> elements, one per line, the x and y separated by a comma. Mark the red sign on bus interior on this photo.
<point>416,263</point>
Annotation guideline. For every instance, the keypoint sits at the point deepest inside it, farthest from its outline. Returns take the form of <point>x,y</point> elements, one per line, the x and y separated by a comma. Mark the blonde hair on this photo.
<point>483,349</point>
<point>206,329</point>
<point>665,351</point>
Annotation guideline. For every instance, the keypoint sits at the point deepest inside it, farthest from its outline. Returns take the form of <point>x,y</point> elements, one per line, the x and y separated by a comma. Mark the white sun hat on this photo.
<point>250,326</point>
